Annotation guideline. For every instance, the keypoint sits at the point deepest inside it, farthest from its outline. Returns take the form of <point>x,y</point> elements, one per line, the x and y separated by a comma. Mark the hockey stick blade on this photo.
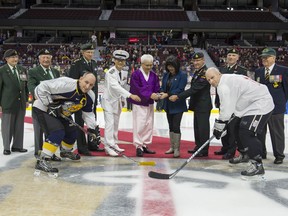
<point>156,175</point>
<point>147,163</point>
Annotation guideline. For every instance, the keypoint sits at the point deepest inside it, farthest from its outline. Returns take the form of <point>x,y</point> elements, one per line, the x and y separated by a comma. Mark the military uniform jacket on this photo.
<point>79,67</point>
<point>37,75</point>
<point>13,93</point>
<point>113,91</point>
<point>235,69</point>
<point>277,85</point>
<point>199,92</point>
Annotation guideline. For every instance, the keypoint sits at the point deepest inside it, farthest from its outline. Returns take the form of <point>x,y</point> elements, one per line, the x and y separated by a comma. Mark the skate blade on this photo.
<point>256,178</point>
<point>38,173</point>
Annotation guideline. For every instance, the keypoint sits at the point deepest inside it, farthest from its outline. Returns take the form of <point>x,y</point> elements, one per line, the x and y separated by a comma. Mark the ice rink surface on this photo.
<point>114,186</point>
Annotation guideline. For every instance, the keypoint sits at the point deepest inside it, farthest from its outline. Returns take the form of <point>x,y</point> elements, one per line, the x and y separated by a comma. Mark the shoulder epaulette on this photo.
<point>242,67</point>
<point>112,71</point>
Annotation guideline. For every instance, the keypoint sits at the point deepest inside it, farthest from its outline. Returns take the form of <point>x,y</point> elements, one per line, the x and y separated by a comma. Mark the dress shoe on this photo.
<point>202,154</point>
<point>278,161</point>
<point>22,150</point>
<point>193,150</point>
<point>227,156</point>
<point>139,152</point>
<point>6,152</point>
<point>148,151</point>
<point>95,148</point>
<point>221,152</point>
<point>85,152</point>
<point>109,151</point>
<point>118,149</point>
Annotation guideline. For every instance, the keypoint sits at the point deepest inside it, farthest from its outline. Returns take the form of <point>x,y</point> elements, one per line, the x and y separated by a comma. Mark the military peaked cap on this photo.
<point>120,54</point>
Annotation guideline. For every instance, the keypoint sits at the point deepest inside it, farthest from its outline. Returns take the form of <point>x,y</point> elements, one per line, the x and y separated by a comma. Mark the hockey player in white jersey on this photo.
<point>55,98</point>
<point>252,105</point>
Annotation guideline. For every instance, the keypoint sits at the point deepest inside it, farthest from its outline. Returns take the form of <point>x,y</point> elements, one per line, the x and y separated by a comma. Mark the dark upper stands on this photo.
<point>237,16</point>
<point>72,14</point>
<point>6,13</point>
<point>149,15</point>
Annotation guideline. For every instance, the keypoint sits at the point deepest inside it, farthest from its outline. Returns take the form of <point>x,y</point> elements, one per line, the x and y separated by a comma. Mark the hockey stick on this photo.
<point>139,163</point>
<point>157,175</point>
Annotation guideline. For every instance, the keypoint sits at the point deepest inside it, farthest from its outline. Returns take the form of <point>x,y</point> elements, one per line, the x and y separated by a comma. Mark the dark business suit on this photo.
<point>201,104</point>
<point>229,141</point>
<point>78,68</point>
<point>278,88</point>
<point>35,76</point>
<point>13,99</point>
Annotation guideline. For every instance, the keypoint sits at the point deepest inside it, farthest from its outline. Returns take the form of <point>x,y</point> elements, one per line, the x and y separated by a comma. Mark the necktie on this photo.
<point>90,65</point>
<point>120,75</point>
<point>15,73</point>
<point>267,74</point>
<point>49,73</point>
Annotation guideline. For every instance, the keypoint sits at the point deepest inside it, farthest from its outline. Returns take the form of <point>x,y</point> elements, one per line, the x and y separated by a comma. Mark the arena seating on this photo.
<point>237,16</point>
<point>70,14</point>
<point>149,15</point>
<point>6,13</point>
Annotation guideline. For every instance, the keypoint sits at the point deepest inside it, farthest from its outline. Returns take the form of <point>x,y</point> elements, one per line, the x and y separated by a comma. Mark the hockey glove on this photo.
<point>219,127</point>
<point>55,110</point>
<point>94,135</point>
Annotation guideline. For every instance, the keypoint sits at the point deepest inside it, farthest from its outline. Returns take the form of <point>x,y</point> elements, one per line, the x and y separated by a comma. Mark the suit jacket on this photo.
<point>79,67</point>
<point>199,92</point>
<point>177,86</point>
<point>13,93</point>
<point>36,75</point>
<point>277,85</point>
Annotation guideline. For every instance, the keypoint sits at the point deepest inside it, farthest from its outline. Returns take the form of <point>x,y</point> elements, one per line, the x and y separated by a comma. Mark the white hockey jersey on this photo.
<point>242,96</point>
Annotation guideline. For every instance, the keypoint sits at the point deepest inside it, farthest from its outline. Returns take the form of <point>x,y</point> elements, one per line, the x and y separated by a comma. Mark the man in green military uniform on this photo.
<point>42,72</point>
<point>13,102</point>
<point>77,69</point>
<point>232,67</point>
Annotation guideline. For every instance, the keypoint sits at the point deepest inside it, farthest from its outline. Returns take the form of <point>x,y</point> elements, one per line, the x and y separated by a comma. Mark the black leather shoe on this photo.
<point>278,161</point>
<point>95,148</point>
<point>193,150</point>
<point>6,152</point>
<point>85,153</point>
<point>202,154</point>
<point>221,152</point>
<point>19,150</point>
<point>227,156</point>
<point>148,151</point>
<point>139,152</point>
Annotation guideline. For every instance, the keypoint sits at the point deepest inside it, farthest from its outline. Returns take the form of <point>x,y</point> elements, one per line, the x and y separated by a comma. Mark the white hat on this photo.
<point>120,54</point>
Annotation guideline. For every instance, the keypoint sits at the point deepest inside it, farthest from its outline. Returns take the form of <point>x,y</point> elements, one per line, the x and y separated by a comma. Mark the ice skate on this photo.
<point>44,166</point>
<point>254,172</point>
<point>69,154</point>
<point>242,158</point>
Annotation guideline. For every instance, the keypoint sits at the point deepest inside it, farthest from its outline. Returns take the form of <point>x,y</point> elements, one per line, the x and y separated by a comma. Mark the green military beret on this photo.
<point>87,46</point>
<point>10,52</point>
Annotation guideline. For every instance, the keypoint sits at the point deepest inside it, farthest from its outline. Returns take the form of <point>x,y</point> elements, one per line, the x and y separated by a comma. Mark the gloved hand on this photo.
<point>94,135</point>
<point>219,127</point>
<point>55,110</point>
